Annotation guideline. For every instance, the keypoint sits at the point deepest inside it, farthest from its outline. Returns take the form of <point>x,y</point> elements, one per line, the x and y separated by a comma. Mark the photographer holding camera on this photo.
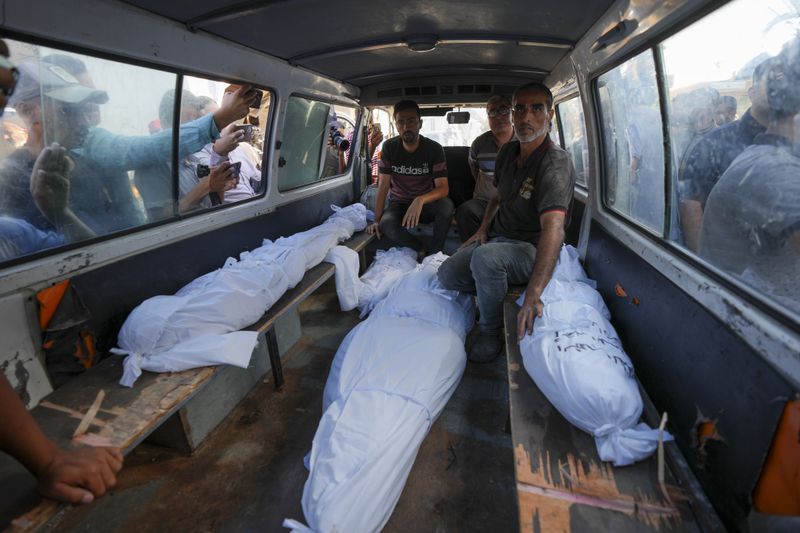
<point>234,147</point>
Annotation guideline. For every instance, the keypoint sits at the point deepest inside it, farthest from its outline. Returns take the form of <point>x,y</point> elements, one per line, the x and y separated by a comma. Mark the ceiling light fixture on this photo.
<point>421,43</point>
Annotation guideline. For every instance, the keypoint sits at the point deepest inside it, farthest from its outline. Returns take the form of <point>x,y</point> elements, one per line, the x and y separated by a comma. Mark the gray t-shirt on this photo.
<point>545,182</point>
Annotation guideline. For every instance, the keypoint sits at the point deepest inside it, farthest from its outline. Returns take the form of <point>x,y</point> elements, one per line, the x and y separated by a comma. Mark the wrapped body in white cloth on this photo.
<point>198,326</point>
<point>576,359</point>
<point>390,379</point>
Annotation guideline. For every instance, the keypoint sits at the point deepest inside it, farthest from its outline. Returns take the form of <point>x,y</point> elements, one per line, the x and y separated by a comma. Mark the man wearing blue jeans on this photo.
<point>413,174</point>
<point>522,230</point>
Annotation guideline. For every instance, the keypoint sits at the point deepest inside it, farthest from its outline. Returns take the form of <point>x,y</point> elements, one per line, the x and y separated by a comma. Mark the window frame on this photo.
<point>19,262</point>
<point>781,315</point>
<point>569,98</point>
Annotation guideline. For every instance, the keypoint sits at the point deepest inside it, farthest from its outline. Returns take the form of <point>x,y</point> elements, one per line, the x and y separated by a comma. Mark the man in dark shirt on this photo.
<point>522,230</point>
<point>751,224</point>
<point>413,173</point>
<point>711,155</point>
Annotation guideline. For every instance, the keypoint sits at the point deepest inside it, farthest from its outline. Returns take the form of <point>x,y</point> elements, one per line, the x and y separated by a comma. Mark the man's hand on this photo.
<point>229,139</point>
<point>532,307</point>
<point>234,106</point>
<point>221,179</point>
<point>50,182</point>
<point>375,138</point>
<point>479,236</point>
<point>411,218</point>
<point>80,475</point>
<point>375,228</point>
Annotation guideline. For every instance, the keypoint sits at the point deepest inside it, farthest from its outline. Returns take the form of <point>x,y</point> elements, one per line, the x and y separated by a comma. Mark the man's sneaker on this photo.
<point>486,348</point>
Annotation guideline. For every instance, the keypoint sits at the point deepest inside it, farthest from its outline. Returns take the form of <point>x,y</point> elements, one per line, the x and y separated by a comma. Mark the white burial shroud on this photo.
<point>199,325</point>
<point>576,359</point>
<point>390,379</point>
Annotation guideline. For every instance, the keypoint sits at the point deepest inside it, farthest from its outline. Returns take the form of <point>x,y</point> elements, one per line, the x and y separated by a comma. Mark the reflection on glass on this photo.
<point>71,134</point>
<point>632,131</point>
<point>317,142</point>
<point>733,123</point>
<point>574,129</point>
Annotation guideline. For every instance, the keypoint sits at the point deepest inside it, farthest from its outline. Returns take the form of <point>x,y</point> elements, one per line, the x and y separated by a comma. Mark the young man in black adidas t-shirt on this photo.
<point>522,230</point>
<point>413,174</point>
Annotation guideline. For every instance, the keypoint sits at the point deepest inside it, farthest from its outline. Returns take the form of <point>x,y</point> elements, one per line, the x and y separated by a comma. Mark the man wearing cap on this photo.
<point>482,155</point>
<point>53,104</point>
<point>751,224</point>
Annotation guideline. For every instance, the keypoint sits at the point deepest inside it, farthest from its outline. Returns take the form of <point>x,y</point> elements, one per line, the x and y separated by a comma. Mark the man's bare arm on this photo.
<point>380,203</point>
<point>482,234</point>
<point>414,211</point>
<point>547,251</point>
<point>74,476</point>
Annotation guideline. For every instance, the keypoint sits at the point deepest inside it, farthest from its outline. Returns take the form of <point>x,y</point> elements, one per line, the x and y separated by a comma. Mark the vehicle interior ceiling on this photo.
<point>447,52</point>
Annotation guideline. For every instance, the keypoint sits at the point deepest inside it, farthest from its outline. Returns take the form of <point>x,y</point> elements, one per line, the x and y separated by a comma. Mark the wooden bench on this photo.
<point>563,486</point>
<point>156,402</point>
<point>315,277</point>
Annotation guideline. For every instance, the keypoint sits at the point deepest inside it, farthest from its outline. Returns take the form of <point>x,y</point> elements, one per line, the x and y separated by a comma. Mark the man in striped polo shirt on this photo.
<point>482,154</point>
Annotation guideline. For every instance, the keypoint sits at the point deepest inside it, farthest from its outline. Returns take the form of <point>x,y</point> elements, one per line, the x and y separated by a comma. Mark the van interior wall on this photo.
<point>110,293</point>
<point>720,395</point>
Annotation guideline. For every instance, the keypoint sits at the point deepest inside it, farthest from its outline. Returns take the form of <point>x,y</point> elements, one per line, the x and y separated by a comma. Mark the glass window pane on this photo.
<point>574,128</point>
<point>304,137</point>
<point>341,136</point>
<point>554,133</point>
<point>83,122</point>
<point>438,129</point>
<point>733,104</point>
<point>227,170</point>
<point>317,142</point>
<point>633,141</point>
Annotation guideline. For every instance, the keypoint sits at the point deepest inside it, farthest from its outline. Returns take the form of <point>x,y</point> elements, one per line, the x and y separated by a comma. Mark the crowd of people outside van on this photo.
<point>88,169</point>
<point>739,194</point>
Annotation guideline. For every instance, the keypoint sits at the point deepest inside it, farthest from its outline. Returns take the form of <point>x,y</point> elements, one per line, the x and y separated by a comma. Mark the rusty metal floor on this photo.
<point>249,474</point>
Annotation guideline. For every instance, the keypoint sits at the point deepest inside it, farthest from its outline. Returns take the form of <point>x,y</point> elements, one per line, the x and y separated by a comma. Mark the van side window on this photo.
<point>228,170</point>
<point>82,124</point>
<point>573,127</point>
<point>555,134</point>
<point>633,141</point>
<point>733,104</point>
<point>316,142</point>
<point>341,139</point>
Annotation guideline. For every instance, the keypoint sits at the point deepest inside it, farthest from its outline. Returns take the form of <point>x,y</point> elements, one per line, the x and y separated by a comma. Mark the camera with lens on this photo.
<point>339,140</point>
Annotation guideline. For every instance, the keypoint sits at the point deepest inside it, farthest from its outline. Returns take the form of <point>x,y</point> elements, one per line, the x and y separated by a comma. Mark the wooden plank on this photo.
<point>561,483</point>
<point>127,415</point>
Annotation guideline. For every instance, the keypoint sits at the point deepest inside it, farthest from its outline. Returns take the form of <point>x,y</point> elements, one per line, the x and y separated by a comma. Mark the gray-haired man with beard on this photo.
<point>523,227</point>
